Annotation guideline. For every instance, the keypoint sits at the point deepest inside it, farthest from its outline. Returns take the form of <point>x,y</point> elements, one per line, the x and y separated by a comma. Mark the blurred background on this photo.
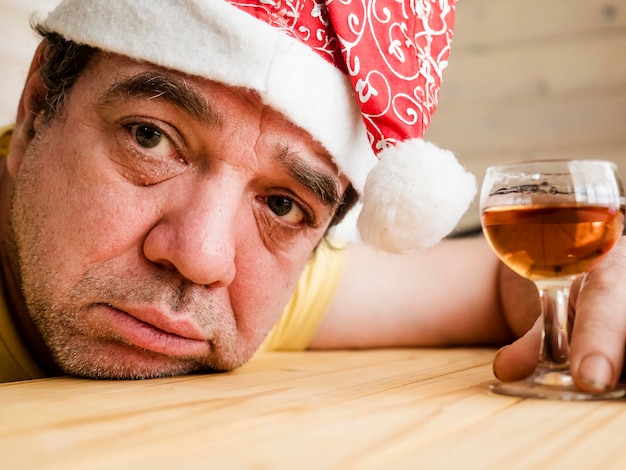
<point>533,79</point>
<point>527,79</point>
<point>17,44</point>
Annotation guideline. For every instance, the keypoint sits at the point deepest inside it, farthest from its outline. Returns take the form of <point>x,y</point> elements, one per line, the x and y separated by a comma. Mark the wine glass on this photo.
<point>551,221</point>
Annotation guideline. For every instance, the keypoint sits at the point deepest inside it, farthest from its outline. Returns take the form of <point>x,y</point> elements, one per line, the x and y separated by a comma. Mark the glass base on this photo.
<point>553,386</point>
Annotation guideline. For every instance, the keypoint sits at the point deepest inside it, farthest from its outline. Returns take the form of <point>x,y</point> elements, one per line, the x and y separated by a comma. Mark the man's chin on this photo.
<point>125,363</point>
<point>108,371</point>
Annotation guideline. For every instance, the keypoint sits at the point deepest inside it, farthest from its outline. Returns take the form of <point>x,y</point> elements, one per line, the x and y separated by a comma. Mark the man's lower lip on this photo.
<point>148,337</point>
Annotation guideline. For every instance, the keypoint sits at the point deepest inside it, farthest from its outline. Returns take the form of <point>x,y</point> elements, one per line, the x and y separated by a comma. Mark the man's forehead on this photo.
<point>143,74</point>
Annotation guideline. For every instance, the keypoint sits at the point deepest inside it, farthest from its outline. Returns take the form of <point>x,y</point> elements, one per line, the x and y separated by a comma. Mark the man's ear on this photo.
<point>28,121</point>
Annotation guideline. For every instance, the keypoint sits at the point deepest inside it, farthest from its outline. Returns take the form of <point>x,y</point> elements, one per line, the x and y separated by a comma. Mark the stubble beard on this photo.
<point>83,351</point>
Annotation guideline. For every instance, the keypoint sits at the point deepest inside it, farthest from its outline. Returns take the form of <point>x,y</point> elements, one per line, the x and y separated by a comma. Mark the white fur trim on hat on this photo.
<point>414,197</point>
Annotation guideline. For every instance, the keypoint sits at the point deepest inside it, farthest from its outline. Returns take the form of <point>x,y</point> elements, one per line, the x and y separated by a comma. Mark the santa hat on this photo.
<point>362,77</point>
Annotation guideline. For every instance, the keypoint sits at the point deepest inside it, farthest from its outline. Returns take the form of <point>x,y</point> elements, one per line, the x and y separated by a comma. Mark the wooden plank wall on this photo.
<point>534,78</point>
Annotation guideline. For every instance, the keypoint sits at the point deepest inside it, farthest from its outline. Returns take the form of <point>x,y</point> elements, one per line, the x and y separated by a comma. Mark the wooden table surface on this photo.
<point>406,408</point>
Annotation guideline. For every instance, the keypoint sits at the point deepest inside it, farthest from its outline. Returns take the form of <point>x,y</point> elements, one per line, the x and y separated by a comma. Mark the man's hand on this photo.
<point>598,337</point>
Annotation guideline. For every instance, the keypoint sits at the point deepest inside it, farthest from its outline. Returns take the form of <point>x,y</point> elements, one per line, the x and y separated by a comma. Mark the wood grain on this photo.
<point>406,408</point>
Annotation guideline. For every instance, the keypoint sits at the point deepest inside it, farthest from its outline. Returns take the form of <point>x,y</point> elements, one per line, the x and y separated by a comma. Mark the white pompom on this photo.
<point>414,197</point>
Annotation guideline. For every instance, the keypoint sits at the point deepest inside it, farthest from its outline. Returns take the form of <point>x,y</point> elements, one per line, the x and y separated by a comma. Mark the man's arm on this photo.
<point>458,293</point>
<point>446,295</point>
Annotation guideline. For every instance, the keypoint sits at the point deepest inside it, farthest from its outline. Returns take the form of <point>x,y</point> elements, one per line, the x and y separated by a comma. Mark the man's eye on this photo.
<point>148,137</point>
<point>286,209</point>
<point>149,154</point>
<point>152,140</point>
<point>280,205</point>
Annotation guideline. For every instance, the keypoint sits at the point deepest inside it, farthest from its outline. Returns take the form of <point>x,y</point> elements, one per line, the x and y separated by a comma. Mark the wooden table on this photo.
<point>419,408</point>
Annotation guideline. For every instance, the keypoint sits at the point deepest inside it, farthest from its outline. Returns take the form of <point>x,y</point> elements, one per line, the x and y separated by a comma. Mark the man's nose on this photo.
<point>196,235</point>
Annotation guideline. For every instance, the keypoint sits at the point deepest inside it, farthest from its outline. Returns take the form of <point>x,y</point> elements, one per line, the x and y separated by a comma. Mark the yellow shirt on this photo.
<point>293,331</point>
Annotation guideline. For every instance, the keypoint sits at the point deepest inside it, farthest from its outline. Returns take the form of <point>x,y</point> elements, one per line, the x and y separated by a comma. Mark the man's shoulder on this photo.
<point>6,132</point>
<point>16,362</point>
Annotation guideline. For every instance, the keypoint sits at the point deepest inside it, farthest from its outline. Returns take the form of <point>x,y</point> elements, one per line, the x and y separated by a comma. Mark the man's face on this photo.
<point>162,221</point>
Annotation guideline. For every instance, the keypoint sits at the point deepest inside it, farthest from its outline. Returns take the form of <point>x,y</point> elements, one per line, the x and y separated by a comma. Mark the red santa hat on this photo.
<point>361,76</point>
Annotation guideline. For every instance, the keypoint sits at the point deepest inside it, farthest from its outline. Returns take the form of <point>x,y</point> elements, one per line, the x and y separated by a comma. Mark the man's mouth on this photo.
<point>151,330</point>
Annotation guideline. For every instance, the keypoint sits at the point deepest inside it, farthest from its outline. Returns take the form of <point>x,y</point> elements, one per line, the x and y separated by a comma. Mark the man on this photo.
<point>174,168</point>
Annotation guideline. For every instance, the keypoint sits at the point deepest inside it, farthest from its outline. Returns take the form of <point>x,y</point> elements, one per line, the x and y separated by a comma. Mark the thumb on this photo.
<point>519,359</point>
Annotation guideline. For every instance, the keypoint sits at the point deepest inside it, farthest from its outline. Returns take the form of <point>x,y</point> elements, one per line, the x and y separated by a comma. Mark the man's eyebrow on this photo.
<point>324,185</point>
<point>156,85</point>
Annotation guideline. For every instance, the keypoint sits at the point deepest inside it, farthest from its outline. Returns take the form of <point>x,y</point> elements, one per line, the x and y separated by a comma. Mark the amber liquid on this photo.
<point>541,242</point>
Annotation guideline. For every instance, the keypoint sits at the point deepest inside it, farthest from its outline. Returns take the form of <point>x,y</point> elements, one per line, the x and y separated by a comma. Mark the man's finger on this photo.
<point>597,344</point>
<point>519,359</point>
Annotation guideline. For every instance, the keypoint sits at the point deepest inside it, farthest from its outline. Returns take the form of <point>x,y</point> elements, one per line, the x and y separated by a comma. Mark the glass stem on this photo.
<point>554,354</point>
